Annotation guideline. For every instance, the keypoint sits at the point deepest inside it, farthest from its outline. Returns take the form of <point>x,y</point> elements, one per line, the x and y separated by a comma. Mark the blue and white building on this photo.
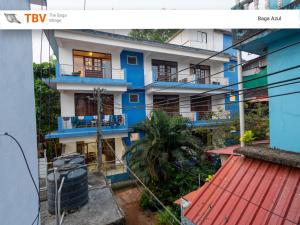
<point>137,76</point>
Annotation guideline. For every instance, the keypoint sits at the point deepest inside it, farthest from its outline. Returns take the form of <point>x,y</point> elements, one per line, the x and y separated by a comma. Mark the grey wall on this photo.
<point>18,199</point>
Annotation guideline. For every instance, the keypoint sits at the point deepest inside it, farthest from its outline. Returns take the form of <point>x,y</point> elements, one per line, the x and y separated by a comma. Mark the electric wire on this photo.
<point>28,170</point>
<point>212,95</point>
<point>220,72</point>
<point>145,186</point>
<point>216,54</point>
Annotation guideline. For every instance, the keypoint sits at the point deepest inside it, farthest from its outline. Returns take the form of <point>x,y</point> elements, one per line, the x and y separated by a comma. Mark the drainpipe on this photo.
<point>241,96</point>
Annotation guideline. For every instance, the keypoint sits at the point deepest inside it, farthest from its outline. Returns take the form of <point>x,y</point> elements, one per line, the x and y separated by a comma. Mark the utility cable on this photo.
<point>28,169</point>
<point>222,71</point>
<point>136,177</point>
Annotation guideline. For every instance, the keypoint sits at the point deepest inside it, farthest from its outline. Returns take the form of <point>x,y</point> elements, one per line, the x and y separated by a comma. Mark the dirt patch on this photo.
<point>128,200</point>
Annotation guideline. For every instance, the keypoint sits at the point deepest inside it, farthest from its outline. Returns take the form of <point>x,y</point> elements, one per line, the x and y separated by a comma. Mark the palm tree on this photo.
<point>166,140</point>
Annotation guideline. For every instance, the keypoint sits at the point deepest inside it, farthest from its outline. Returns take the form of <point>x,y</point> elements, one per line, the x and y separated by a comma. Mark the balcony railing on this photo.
<point>90,71</point>
<point>206,115</point>
<point>203,115</point>
<point>108,121</point>
<point>190,78</point>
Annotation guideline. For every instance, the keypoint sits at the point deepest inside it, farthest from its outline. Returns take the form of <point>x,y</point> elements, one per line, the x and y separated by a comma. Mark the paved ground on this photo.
<point>128,200</point>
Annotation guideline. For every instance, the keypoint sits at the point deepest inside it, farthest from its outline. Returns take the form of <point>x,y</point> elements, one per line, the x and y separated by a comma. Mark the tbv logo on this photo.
<point>35,18</point>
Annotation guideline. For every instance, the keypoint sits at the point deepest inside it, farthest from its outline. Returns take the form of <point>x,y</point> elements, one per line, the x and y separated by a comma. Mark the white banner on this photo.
<point>143,19</point>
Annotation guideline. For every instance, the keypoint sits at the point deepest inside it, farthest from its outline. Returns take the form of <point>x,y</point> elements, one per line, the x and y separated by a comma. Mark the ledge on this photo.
<point>277,156</point>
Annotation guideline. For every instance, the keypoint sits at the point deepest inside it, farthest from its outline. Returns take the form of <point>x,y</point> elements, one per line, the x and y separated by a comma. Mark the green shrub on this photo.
<point>248,137</point>
<point>164,217</point>
<point>146,202</point>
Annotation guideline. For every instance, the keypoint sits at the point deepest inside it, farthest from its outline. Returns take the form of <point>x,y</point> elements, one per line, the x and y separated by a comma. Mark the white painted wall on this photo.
<point>188,37</point>
<point>218,104</point>
<point>70,145</point>
<point>18,198</point>
<point>67,103</point>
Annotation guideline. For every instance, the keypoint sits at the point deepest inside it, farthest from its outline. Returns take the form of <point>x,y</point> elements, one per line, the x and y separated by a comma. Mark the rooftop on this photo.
<point>102,207</point>
<point>248,191</point>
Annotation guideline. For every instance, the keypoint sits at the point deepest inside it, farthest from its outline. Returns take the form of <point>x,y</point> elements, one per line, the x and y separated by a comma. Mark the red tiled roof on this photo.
<point>248,191</point>
<point>190,196</point>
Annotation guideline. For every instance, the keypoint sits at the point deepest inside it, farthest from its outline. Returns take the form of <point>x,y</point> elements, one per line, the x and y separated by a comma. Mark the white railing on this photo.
<point>189,78</point>
<point>206,115</point>
<point>98,72</point>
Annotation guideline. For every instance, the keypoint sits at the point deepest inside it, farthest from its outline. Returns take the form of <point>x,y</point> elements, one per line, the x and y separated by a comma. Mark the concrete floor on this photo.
<point>102,208</point>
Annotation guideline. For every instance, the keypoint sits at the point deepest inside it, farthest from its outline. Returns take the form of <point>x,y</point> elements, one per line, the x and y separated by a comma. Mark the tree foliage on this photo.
<point>46,99</point>
<point>166,140</point>
<point>160,35</point>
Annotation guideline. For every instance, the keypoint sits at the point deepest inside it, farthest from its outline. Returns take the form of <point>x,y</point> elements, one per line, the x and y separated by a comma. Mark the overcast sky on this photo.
<point>119,4</point>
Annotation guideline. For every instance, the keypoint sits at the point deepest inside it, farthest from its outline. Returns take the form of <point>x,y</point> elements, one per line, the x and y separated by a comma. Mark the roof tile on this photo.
<point>248,191</point>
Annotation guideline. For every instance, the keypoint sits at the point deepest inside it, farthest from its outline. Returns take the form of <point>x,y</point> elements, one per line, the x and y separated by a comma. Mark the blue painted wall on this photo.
<point>227,42</point>
<point>285,110</point>
<point>273,4</point>
<point>135,76</point>
<point>232,78</point>
<point>135,111</point>
<point>134,73</point>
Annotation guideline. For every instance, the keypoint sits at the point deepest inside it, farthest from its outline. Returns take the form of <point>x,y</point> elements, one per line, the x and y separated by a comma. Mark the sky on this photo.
<point>118,4</point>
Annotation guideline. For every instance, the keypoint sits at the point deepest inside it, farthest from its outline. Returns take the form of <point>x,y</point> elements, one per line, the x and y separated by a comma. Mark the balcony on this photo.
<point>112,79</point>
<point>76,126</point>
<point>185,83</point>
<point>89,71</point>
<point>207,118</point>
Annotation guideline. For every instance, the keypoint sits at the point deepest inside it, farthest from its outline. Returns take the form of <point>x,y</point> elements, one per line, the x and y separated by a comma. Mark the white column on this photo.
<point>241,96</point>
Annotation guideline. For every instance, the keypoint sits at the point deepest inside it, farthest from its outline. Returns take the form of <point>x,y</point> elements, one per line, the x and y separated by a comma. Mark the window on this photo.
<point>164,70</point>
<point>231,67</point>
<point>133,98</point>
<point>131,60</point>
<point>91,64</point>
<point>85,105</point>
<point>201,72</point>
<point>167,103</point>
<point>202,37</point>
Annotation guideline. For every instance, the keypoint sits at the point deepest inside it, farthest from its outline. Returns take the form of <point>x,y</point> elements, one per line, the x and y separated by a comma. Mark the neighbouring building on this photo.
<point>137,76</point>
<point>255,81</point>
<point>19,200</point>
<point>259,184</point>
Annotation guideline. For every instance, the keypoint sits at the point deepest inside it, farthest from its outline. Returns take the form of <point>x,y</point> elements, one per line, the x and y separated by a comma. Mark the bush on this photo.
<point>248,137</point>
<point>147,202</point>
<point>164,217</point>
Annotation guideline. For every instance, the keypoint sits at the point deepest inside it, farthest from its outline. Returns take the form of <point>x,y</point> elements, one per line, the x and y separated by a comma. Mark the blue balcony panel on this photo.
<point>84,132</point>
<point>90,80</point>
<point>209,123</point>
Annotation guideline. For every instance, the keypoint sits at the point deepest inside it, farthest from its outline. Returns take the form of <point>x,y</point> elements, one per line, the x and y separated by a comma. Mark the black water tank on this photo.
<point>74,192</point>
